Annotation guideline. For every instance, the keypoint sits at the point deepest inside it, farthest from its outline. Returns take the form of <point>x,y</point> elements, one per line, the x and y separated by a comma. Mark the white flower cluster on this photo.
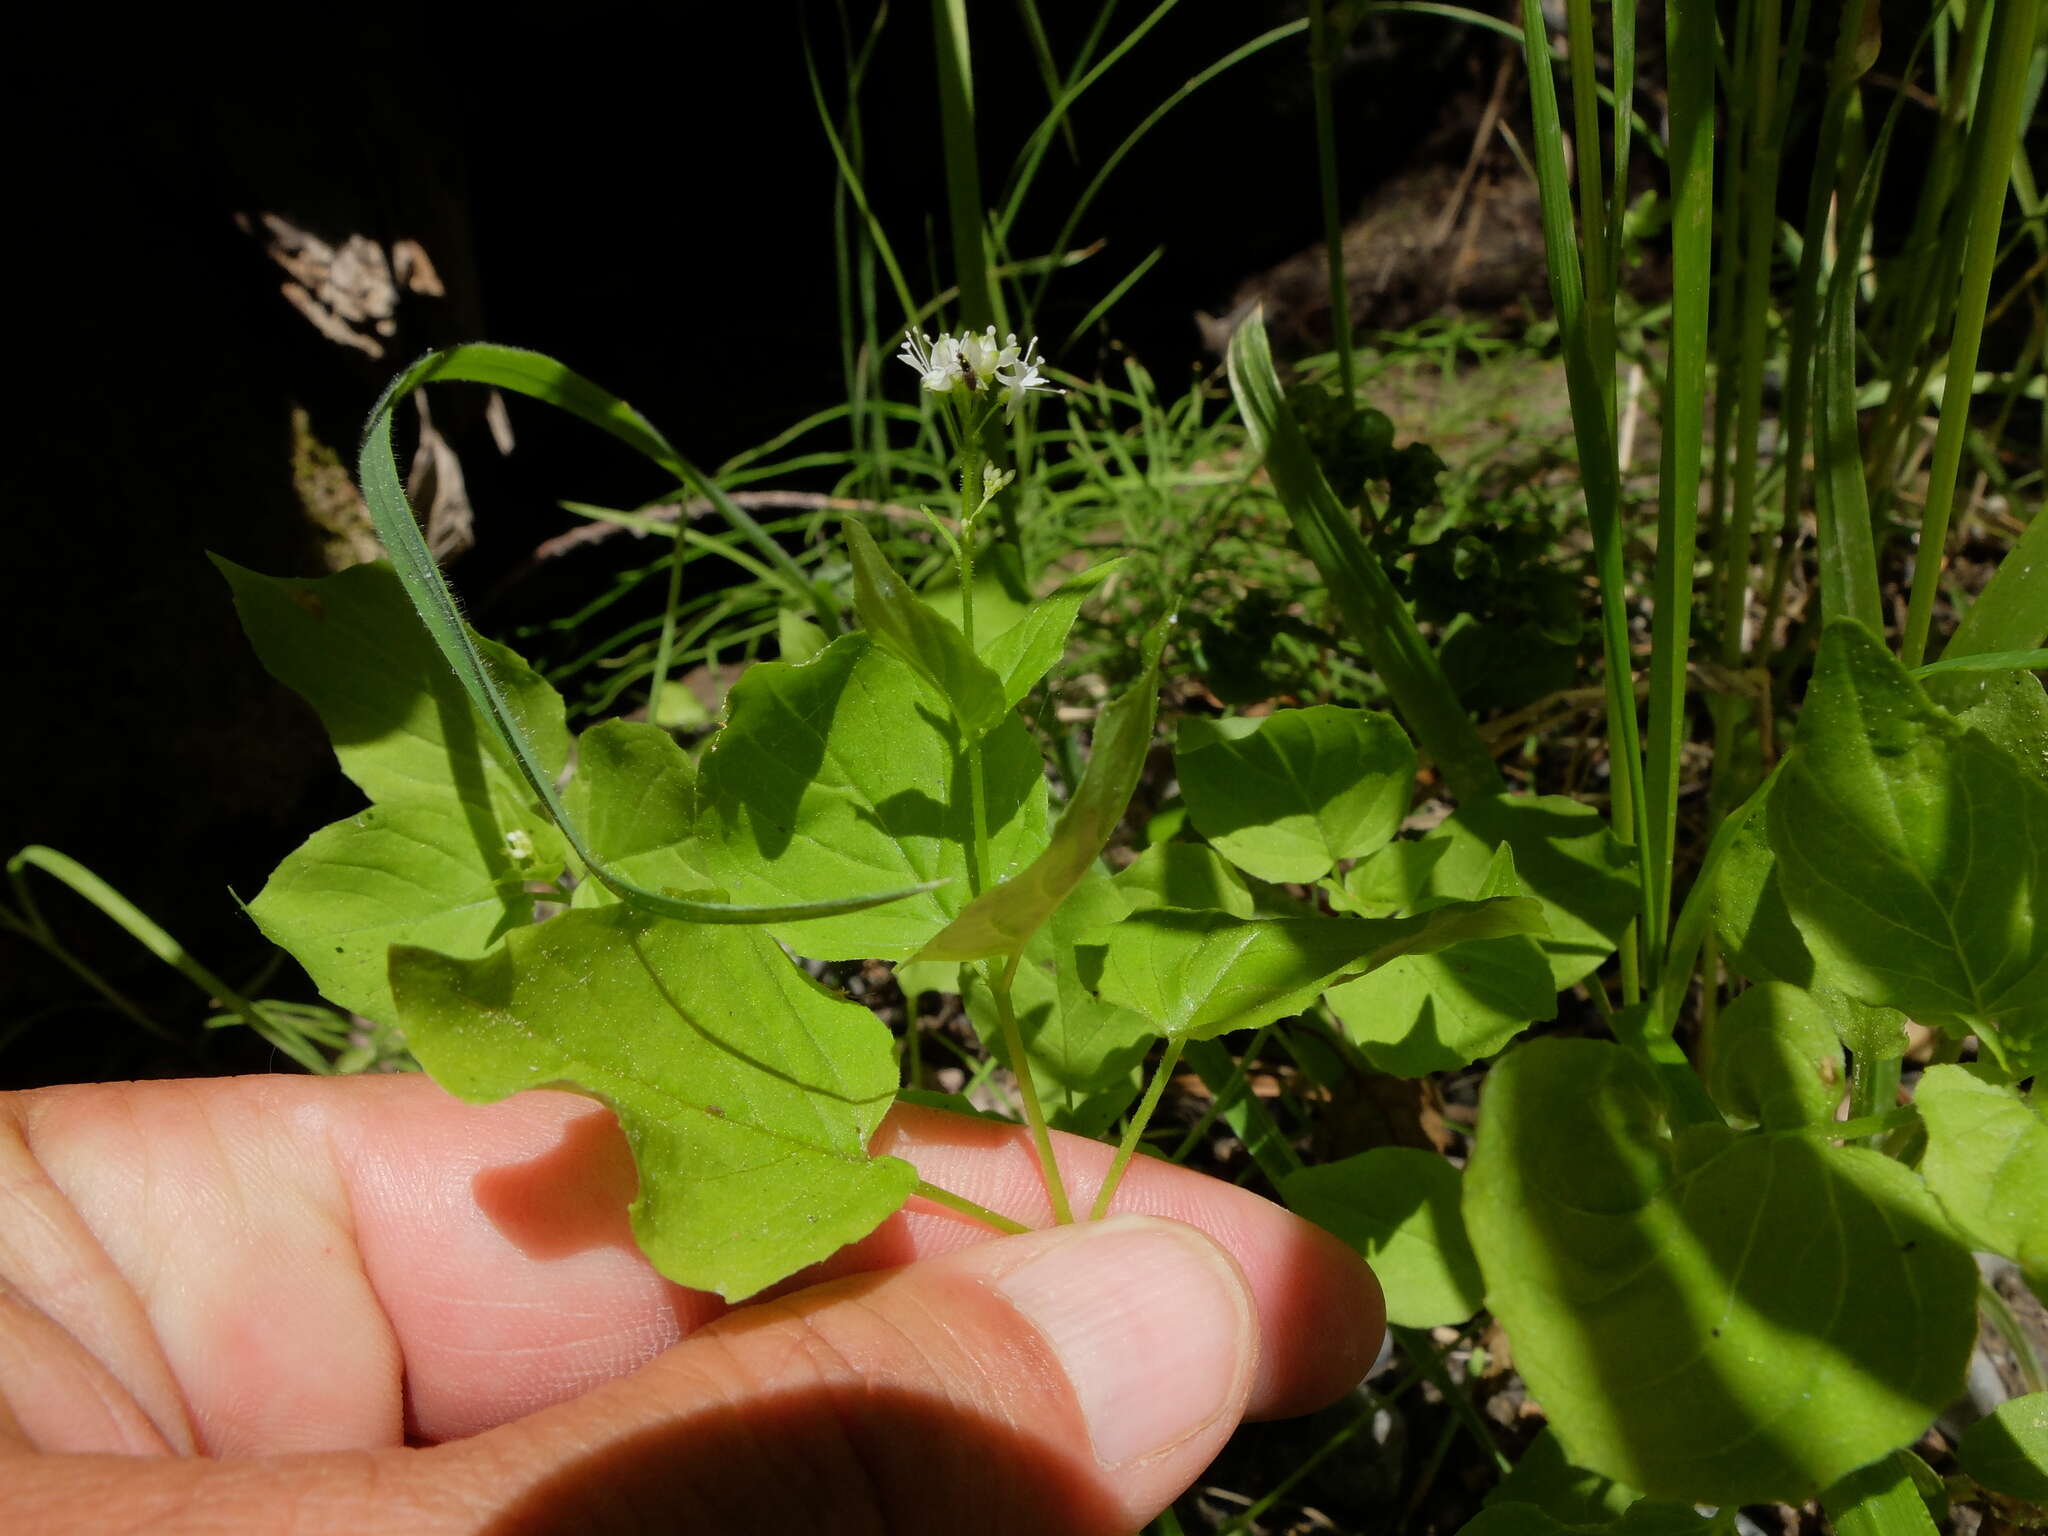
<point>973,364</point>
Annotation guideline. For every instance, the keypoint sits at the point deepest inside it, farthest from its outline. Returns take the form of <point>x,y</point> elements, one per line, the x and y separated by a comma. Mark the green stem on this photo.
<point>1333,223</point>
<point>1034,1112</point>
<point>665,646</point>
<point>1873,1085</point>
<point>1140,1118</point>
<point>967,1207</point>
<point>151,937</point>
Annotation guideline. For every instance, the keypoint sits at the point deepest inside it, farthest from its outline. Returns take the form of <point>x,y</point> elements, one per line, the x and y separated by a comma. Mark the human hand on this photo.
<point>359,1305</point>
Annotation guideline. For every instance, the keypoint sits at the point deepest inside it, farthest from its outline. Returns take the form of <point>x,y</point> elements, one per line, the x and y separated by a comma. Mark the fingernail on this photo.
<point>1152,1323</point>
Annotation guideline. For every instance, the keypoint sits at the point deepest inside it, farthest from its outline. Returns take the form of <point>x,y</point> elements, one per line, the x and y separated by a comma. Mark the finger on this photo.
<point>493,1246</point>
<point>1073,1380</point>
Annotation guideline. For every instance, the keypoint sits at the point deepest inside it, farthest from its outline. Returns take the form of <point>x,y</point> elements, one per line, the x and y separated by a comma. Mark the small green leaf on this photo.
<point>1716,1319</point>
<point>746,1092</point>
<point>1190,876</point>
<point>1987,1163</point>
<point>403,872</point>
<point>1002,919</point>
<point>1196,975</point>
<point>1883,1499</point>
<point>1912,852</point>
<point>1391,881</point>
<point>797,639</point>
<point>1399,1208</point>
<point>1773,1058</point>
<point>933,646</point>
<point>634,798</point>
<point>1567,856</point>
<point>839,776</point>
<point>1285,796</point>
<point>1434,1012</point>
<point>2007,1450</point>
<point>1022,654</point>
<point>401,724</point>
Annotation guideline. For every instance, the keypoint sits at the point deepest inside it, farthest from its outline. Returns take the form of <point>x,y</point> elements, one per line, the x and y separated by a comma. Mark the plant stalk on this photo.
<point>1134,1132</point>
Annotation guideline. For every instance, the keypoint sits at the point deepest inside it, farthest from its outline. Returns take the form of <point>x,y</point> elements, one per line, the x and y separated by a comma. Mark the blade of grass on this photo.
<point>1993,136</point>
<point>1379,620</point>
<point>1319,50</point>
<point>140,927</point>
<point>1588,378</point>
<point>979,304</point>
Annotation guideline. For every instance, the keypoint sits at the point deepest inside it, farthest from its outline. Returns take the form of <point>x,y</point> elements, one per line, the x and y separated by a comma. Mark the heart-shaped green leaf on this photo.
<point>1285,796</point>
<point>1912,851</point>
<point>634,795</point>
<point>1717,1318</point>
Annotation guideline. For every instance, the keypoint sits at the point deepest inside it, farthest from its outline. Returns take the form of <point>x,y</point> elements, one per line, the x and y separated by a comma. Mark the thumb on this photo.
<point>1071,1380</point>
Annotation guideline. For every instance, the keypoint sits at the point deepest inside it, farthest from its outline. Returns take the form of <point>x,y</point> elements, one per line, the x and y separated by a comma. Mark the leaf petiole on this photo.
<point>967,1207</point>
<point>1140,1118</point>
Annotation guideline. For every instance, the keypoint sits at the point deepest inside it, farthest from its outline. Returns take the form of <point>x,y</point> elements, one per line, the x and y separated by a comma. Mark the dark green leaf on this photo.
<point>746,1092</point>
<point>1545,1477</point>
<point>1716,1319</point>
<point>1773,1058</point>
<point>1285,796</point>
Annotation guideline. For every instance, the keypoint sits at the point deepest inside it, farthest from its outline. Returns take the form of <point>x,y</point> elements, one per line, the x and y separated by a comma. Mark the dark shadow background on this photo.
<point>643,191</point>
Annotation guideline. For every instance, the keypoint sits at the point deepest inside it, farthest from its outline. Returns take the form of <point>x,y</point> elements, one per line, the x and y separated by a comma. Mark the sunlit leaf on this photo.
<point>1196,975</point>
<point>1399,1208</point>
<point>1285,796</point>
<point>2007,1450</point>
<point>634,796</point>
<point>1565,854</point>
<point>401,724</point>
<point>1022,654</point>
<point>841,774</point>
<point>1987,1163</point>
<point>746,1092</point>
<point>1433,1012</point>
<point>1191,876</point>
<point>403,872</point>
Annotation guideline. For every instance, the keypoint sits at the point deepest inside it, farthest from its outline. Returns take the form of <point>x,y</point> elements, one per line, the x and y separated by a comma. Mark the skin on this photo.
<point>358,1304</point>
